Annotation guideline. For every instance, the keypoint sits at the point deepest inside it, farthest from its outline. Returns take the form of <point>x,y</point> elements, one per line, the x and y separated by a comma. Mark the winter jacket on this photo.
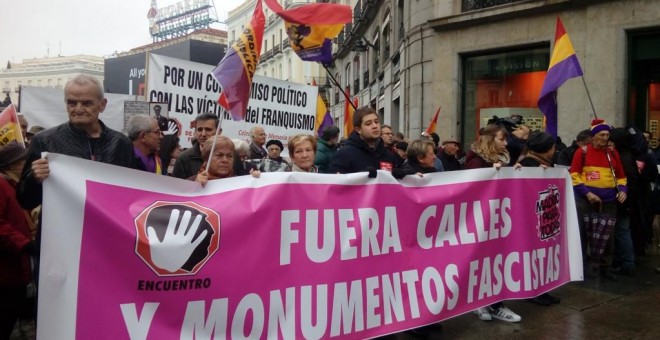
<point>324,155</point>
<point>188,163</point>
<point>357,156</point>
<point>112,147</point>
<point>14,237</point>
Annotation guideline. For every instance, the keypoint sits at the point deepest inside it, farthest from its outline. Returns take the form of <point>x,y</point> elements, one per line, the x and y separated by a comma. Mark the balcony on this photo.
<point>285,43</point>
<point>356,86</point>
<point>473,5</point>
<point>364,12</point>
<point>277,49</point>
<point>357,12</point>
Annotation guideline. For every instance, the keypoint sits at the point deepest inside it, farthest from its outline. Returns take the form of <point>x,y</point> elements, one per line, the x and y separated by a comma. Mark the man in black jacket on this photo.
<point>189,161</point>
<point>364,150</point>
<point>83,136</point>
<point>565,157</point>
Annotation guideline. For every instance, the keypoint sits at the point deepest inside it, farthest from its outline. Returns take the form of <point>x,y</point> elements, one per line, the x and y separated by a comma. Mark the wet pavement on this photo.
<point>593,309</point>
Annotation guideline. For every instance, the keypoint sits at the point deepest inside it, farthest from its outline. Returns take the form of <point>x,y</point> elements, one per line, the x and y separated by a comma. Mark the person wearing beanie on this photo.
<point>16,243</point>
<point>540,149</point>
<point>598,125</point>
<point>274,162</point>
<point>599,182</point>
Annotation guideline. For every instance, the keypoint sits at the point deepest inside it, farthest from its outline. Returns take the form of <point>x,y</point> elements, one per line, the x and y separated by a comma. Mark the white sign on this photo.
<point>44,106</point>
<point>282,108</point>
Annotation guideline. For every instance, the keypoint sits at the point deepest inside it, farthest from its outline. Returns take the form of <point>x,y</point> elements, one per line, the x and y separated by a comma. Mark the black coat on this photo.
<point>357,156</point>
<point>112,147</point>
<point>188,163</point>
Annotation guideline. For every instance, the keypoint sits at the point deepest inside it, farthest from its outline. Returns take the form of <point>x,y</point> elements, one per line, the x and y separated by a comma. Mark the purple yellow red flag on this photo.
<point>323,117</point>
<point>10,128</point>
<point>236,70</point>
<point>434,123</point>
<point>564,65</point>
<point>312,27</point>
<point>348,115</point>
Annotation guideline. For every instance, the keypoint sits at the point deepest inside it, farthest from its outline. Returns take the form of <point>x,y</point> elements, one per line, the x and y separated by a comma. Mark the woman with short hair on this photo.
<point>302,151</point>
<point>221,161</point>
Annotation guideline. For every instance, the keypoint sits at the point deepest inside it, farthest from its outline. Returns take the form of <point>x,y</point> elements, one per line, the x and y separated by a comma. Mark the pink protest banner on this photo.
<point>130,255</point>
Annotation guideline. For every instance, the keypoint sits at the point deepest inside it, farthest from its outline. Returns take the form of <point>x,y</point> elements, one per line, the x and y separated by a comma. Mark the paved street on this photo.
<point>593,309</point>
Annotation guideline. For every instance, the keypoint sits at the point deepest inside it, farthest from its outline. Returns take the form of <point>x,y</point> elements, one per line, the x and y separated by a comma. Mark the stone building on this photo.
<point>47,72</point>
<point>479,58</point>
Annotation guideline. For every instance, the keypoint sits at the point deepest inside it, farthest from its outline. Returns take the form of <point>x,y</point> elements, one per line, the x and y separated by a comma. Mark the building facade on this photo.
<point>479,58</point>
<point>47,72</point>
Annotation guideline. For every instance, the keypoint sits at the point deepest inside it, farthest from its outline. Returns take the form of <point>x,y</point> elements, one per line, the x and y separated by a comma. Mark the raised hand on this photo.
<point>177,245</point>
<point>172,128</point>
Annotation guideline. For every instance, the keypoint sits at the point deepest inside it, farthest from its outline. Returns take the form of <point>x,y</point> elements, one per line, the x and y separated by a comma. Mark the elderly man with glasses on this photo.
<point>145,134</point>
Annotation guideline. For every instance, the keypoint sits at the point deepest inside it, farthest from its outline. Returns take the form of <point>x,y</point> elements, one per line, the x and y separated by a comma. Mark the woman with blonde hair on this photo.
<point>302,150</point>
<point>489,150</point>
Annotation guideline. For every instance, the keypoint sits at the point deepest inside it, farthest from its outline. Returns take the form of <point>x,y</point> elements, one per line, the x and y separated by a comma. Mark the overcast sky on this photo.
<point>39,28</point>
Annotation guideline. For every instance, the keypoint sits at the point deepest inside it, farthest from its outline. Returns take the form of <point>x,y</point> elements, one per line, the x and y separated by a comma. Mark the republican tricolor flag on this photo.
<point>434,123</point>
<point>236,70</point>
<point>564,65</point>
<point>10,128</point>
<point>323,117</point>
<point>348,114</point>
<point>312,27</point>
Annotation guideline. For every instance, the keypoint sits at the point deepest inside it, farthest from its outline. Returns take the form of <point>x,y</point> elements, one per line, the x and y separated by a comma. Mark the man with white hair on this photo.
<point>258,136</point>
<point>145,134</point>
<point>83,136</point>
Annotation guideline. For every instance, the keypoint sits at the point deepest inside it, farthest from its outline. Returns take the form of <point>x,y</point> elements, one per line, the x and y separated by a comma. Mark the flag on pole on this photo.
<point>348,115</point>
<point>564,65</point>
<point>323,117</point>
<point>236,70</point>
<point>434,123</point>
<point>10,128</point>
<point>312,27</point>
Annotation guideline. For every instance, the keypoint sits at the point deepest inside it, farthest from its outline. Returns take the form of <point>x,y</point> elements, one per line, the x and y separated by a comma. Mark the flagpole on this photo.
<point>217,132</point>
<point>589,96</point>
<point>334,81</point>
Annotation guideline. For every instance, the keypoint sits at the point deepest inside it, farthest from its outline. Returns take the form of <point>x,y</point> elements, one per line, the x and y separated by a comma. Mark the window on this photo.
<point>289,70</point>
<point>503,84</point>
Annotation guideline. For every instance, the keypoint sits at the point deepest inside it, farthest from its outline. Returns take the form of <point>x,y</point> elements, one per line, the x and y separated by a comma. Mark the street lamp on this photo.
<point>362,44</point>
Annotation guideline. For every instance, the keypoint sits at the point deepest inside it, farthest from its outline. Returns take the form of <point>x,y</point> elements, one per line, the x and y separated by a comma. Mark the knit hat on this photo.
<point>34,129</point>
<point>11,153</point>
<point>540,142</point>
<point>275,142</point>
<point>598,125</point>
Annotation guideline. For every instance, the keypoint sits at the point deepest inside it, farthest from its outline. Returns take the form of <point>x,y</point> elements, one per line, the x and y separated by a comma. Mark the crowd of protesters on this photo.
<point>613,172</point>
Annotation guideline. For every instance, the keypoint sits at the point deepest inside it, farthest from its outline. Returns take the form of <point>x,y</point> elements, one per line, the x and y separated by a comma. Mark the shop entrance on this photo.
<point>644,81</point>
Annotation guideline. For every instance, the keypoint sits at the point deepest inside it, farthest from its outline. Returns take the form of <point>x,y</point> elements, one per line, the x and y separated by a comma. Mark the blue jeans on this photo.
<point>624,253</point>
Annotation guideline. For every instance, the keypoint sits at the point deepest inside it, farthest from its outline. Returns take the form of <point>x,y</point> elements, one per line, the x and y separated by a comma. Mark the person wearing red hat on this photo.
<point>598,183</point>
